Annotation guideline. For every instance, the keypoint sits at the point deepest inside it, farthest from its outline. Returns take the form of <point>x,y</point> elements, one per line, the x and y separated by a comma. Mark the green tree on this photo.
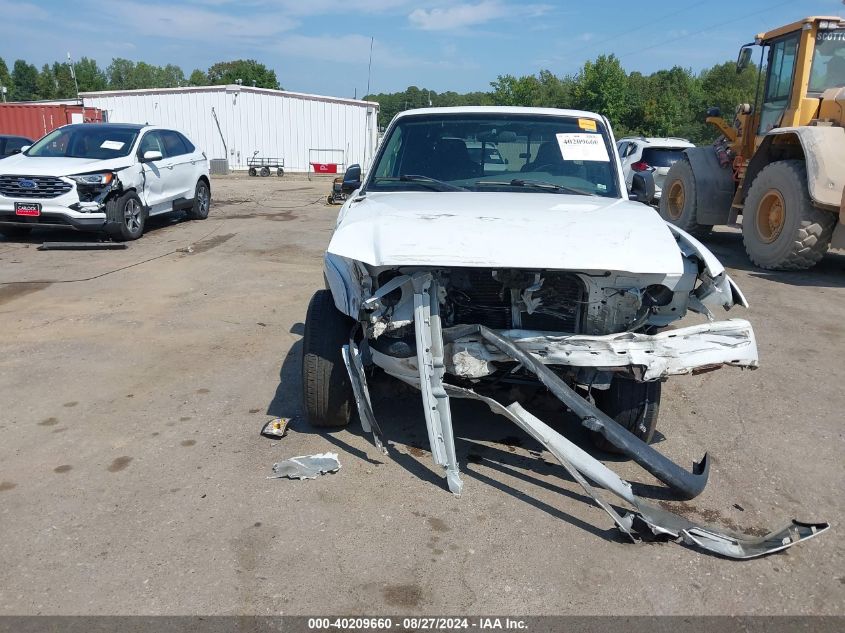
<point>119,73</point>
<point>5,78</point>
<point>143,75</point>
<point>198,78</point>
<point>516,91</point>
<point>89,75</point>
<point>65,87</point>
<point>170,76</point>
<point>724,88</point>
<point>47,87</point>
<point>249,71</point>
<point>602,87</point>
<point>673,101</point>
<point>25,81</point>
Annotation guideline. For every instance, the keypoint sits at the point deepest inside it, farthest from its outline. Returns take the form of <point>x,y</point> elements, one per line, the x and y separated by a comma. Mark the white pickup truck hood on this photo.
<point>508,229</point>
<point>23,165</point>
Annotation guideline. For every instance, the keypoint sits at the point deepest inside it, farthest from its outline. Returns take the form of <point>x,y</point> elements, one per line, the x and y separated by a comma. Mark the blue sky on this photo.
<point>322,46</point>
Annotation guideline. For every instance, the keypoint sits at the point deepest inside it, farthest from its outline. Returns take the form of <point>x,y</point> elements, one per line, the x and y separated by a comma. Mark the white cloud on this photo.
<point>314,7</point>
<point>197,24</point>
<point>457,16</point>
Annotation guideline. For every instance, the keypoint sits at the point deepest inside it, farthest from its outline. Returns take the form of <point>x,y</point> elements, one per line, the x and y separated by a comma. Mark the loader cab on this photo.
<point>802,60</point>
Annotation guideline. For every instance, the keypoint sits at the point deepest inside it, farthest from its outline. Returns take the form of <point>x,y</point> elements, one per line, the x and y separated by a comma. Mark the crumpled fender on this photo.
<point>716,288</point>
<point>344,281</point>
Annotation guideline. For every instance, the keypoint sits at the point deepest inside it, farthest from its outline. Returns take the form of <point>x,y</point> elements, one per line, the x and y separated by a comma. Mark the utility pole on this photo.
<point>73,74</point>
<point>370,66</point>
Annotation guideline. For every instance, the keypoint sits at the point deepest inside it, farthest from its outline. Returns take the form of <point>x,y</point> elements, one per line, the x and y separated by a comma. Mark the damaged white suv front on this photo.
<point>457,280</point>
<point>102,177</point>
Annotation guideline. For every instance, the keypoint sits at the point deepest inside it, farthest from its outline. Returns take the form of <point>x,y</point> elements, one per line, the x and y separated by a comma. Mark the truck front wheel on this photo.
<point>781,229</point>
<point>634,405</point>
<point>326,389</point>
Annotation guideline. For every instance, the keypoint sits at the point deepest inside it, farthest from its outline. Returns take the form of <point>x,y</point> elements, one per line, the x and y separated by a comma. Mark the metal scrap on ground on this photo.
<point>306,466</point>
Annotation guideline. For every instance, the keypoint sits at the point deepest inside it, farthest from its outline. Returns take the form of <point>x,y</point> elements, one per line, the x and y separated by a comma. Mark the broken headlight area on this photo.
<point>94,180</point>
<point>93,189</point>
<point>458,333</point>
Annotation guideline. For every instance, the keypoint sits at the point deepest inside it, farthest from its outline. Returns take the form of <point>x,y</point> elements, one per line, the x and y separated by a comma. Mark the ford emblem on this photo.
<point>26,183</point>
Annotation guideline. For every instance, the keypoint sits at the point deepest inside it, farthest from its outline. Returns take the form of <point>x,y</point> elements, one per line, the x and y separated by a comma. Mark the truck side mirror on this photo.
<point>642,187</point>
<point>744,59</point>
<point>351,179</point>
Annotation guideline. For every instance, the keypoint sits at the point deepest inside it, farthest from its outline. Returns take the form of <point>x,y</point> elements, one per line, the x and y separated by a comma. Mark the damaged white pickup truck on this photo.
<point>458,281</point>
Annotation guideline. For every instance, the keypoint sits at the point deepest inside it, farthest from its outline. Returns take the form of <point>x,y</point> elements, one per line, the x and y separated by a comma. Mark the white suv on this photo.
<point>656,155</point>
<point>103,176</point>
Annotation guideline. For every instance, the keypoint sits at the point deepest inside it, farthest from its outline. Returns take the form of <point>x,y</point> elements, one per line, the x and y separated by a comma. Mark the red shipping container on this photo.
<point>34,120</point>
<point>324,168</point>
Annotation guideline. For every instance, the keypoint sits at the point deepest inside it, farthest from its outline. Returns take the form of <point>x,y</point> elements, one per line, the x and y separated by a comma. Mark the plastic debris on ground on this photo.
<point>276,428</point>
<point>306,466</point>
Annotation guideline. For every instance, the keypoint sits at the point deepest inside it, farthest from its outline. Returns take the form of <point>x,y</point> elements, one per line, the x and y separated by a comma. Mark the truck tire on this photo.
<point>634,405</point>
<point>678,202</point>
<point>202,201</point>
<point>326,390</point>
<point>125,217</point>
<point>781,229</point>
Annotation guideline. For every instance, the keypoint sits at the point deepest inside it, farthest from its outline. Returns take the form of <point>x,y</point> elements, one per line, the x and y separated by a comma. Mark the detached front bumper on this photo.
<point>685,350</point>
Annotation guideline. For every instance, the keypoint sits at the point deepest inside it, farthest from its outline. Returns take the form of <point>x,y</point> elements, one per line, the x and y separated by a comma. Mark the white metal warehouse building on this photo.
<point>233,121</point>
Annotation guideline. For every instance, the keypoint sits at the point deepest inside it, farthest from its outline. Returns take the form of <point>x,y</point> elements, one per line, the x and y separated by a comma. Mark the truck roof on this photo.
<point>500,110</point>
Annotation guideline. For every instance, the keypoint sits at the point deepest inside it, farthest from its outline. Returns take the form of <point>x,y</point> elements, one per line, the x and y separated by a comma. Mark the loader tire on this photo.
<point>781,229</point>
<point>678,201</point>
<point>326,390</point>
<point>634,405</point>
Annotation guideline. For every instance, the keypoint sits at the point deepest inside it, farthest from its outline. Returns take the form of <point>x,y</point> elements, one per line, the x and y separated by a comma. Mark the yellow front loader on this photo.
<point>780,165</point>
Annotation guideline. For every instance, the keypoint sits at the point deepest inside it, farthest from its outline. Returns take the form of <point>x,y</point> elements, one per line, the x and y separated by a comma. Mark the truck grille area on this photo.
<point>477,296</point>
<point>28,187</point>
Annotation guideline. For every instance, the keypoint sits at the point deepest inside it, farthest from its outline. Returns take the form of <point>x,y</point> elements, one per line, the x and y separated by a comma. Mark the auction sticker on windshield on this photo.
<point>115,145</point>
<point>582,146</point>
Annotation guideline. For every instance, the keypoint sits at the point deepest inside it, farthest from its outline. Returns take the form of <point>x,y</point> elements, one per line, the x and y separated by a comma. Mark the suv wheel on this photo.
<point>202,202</point>
<point>125,217</point>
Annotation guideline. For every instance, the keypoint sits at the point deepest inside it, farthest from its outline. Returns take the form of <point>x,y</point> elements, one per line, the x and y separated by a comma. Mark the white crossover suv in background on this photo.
<point>103,176</point>
<point>656,155</point>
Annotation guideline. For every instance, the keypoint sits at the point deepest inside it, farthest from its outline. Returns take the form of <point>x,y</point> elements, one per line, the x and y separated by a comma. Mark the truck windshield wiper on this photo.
<point>537,184</point>
<point>431,183</point>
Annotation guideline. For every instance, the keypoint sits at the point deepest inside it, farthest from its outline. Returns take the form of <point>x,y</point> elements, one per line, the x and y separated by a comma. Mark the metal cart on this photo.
<point>263,165</point>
